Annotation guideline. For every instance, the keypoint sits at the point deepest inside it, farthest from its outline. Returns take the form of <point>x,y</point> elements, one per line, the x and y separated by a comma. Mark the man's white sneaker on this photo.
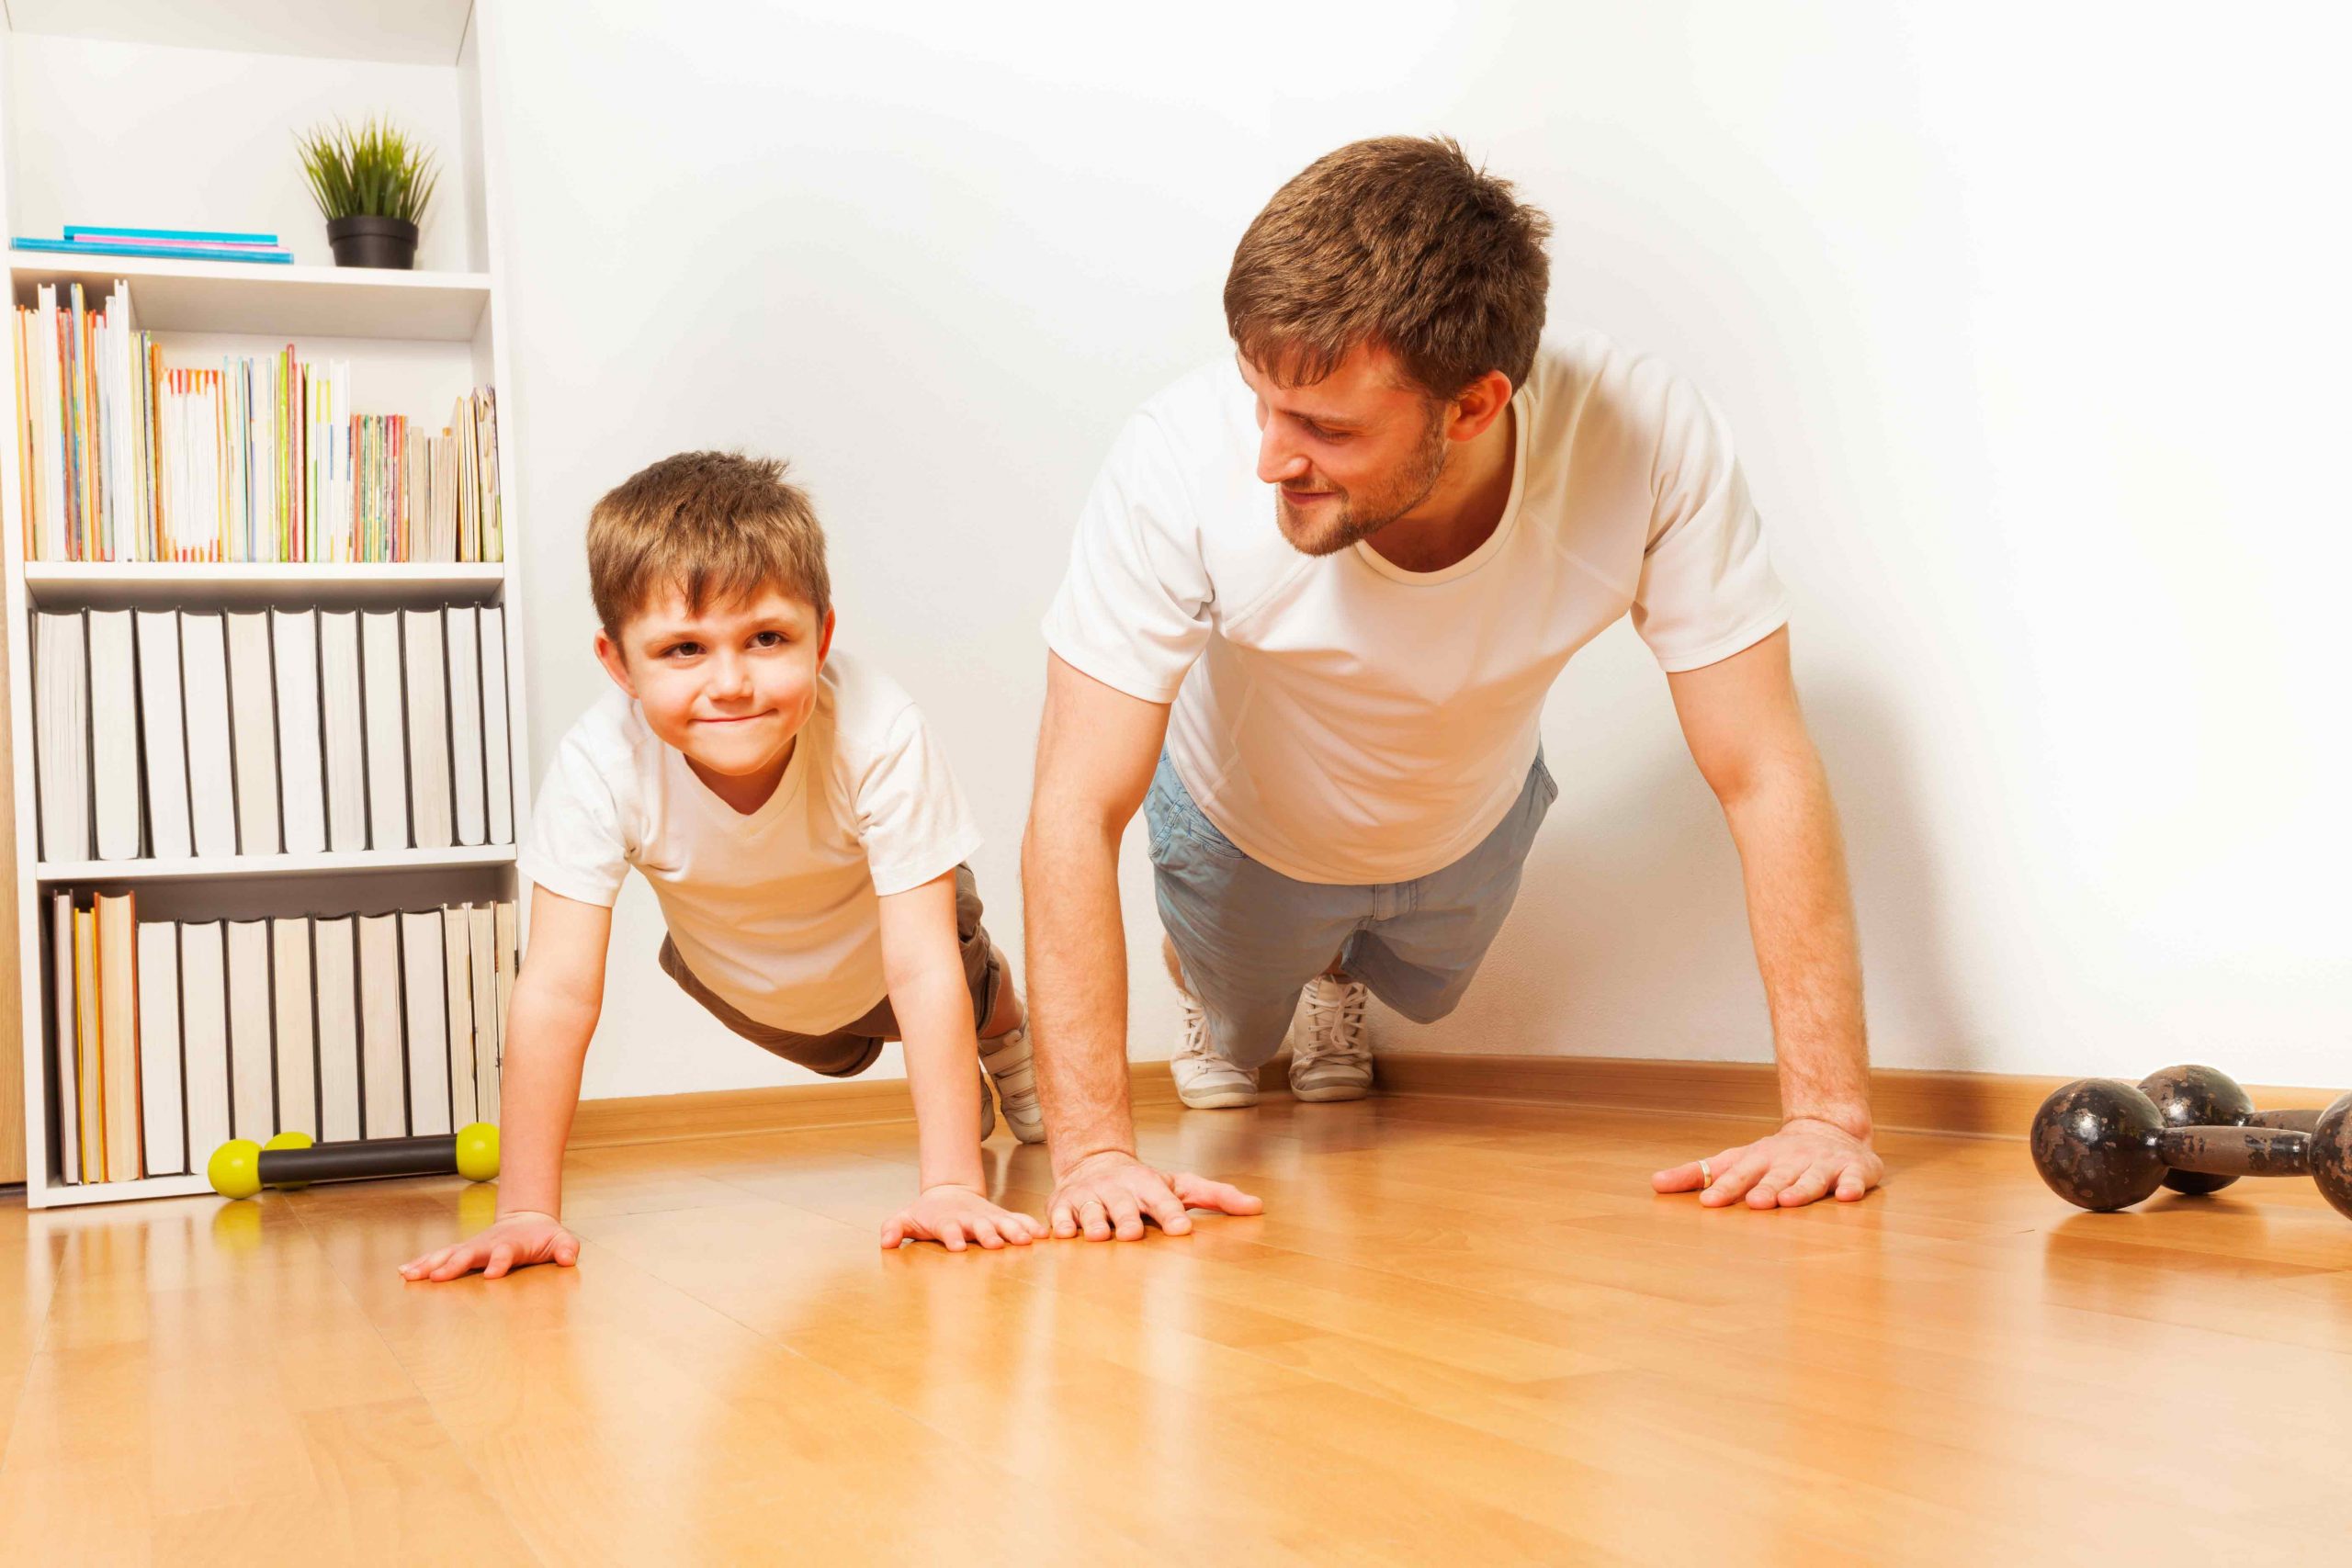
<point>1204,1080</point>
<point>1009,1063</point>
<point>1333,1060</point>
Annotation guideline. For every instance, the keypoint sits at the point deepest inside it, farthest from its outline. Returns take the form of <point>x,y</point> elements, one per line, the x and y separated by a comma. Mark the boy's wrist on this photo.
<point>972,1179</point>
<point>972,1186</point>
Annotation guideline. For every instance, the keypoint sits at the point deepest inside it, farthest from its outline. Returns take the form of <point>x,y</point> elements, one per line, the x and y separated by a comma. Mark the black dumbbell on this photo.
<point>2101,1143</point>
<point>2207,1097</point>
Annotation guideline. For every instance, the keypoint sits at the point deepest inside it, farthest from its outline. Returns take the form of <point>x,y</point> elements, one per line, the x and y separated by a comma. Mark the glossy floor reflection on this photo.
<point>1463,1333</point>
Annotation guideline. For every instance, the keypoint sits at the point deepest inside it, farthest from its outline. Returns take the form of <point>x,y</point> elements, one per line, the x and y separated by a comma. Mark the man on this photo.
<point>1349,699</point>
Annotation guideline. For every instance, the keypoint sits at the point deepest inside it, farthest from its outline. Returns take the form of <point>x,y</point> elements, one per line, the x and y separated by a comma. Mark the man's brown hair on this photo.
<point>1398,240</point>
<point>714,525</point>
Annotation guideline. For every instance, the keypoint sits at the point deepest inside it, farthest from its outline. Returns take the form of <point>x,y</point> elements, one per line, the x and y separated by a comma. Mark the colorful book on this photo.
<point>71,247</point>
<point>217,236</point>
<point>119,1034</point>
<point>192,247</point>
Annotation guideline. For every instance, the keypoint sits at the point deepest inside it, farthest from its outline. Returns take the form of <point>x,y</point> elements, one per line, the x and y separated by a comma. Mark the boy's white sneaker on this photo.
<point>1333,1060</point>
<point>1204,1080</point>
<point>987,1108</point>
<point>1015,1072</point>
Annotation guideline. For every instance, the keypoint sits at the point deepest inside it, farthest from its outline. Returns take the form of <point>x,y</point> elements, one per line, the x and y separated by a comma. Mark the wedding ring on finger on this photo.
<point>1706,1176</point>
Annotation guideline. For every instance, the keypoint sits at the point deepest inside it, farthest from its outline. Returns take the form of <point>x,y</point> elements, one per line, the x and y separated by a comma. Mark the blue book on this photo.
<point>67,247</point>
<point>76,230</point>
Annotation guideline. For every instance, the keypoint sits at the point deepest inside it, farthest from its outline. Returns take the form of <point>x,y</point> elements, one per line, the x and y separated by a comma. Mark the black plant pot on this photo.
<point>373,241</point>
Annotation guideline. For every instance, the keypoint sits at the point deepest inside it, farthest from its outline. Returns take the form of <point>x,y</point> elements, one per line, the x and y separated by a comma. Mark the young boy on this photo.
<point>801,830</point>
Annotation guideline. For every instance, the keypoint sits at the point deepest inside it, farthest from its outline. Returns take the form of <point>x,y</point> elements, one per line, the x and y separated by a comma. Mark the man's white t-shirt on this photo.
<point>1345,721</point>
<point>774,910</point>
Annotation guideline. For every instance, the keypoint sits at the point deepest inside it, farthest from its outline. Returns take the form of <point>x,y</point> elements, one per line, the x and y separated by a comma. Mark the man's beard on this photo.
<point>1360,517</point>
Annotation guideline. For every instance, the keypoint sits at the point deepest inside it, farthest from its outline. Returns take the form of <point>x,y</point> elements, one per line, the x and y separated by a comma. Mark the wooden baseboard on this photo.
<point>788,1107</point>
<point>1902,1099</point>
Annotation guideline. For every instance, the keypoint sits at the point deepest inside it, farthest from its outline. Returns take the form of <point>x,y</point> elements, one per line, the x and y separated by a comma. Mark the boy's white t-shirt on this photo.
<point>1344,721</point>
<point>774,910</point>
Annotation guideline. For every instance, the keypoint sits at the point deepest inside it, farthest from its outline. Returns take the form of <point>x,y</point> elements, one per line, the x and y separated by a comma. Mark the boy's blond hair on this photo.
<point>716,526</point>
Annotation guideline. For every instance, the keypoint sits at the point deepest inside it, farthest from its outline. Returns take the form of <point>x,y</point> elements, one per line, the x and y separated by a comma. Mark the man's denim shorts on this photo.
<point>1249,937</point>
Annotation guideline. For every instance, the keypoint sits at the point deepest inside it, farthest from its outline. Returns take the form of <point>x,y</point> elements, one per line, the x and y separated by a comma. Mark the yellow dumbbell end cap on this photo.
<point>234,1169</point>
<point>477,1151</point>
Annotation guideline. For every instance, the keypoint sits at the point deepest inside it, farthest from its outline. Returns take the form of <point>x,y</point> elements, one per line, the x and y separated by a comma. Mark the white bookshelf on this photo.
<point>80,871</point>
<point>96,127</point>
<point>289,301</point>
<point>154,584</point>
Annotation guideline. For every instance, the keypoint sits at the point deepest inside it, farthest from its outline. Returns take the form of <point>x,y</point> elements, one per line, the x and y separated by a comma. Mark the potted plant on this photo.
<point>371,185</point>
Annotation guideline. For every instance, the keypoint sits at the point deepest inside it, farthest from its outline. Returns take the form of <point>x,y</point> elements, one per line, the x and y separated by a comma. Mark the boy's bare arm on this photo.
<point>922,961</point>
<point>1096,750</point>
<point>557,995</point>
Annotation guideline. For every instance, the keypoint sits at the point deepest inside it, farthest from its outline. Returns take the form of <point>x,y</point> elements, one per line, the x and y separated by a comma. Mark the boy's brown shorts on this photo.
<point>851,1049</point>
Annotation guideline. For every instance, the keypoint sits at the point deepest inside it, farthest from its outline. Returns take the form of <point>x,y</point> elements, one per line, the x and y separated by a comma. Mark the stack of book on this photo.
<point>174,1036</point>
<point>252,458</point>
<point>170,733</point>
<point>189,245</point>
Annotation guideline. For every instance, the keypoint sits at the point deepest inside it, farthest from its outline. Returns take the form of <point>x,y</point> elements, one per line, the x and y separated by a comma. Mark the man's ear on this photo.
<point>825,640</point>
<point>608,654</point>
<point>1478,405</point>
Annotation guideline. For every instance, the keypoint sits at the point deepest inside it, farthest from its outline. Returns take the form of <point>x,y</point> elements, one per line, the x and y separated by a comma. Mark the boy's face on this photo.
<point>729,687</point>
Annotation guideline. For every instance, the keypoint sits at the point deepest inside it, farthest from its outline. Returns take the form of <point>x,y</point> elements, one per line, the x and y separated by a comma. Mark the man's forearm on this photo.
<point>1076,950</point>
<point>1801,916</point>
<point>539,1090</point>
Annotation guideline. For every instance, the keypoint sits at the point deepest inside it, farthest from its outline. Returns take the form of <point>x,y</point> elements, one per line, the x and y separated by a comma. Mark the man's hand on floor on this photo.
<point>1805,1161</point>
<point>1112,1193</point>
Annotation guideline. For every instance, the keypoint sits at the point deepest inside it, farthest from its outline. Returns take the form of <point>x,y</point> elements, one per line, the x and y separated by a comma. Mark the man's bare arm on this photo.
<point>1096,750</point>
<point>1748,735</point>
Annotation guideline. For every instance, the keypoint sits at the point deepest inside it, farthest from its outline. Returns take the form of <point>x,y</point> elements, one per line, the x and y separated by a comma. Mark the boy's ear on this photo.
<point>825,640</point>
<point>608,654</point>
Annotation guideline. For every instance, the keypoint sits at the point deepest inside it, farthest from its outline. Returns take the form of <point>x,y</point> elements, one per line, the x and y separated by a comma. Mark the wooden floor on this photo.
<point>1464,1333</point>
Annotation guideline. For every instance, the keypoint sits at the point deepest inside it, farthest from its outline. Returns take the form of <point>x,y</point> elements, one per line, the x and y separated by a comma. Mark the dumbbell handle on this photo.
<point>2237,1151</point>
<point>2303,1118</point>
<point>359,1161</point>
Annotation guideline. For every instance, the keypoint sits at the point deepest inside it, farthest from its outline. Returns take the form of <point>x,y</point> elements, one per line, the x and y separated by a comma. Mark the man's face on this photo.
<point>1351,453</point>
<point>730,686</point>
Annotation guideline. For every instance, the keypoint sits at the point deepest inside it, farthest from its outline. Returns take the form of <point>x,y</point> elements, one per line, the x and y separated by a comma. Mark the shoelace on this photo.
<point>1335,1023</point>
<point>1196,1030</point>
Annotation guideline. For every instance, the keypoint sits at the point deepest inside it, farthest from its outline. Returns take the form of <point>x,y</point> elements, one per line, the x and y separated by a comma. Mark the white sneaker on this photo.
<point>1204,1080</point>
<point>987,1108</point>
<point>1016,1084</point>
<point>1334,1059</point>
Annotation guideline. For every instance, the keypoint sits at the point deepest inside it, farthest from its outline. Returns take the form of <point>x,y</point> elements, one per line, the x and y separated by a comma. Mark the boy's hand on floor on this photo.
<point>948,1215</point>
<point>516,1241</point>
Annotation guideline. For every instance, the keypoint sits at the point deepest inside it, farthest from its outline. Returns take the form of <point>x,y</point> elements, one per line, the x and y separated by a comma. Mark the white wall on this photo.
<point>2030,318</point>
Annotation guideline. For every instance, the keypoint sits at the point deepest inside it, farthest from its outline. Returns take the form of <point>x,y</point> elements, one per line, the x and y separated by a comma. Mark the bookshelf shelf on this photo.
<point>107,871</point>
<point>296,302</point>
<point>92,126</point>
<point>121,1191</point>
<point>146,585</point>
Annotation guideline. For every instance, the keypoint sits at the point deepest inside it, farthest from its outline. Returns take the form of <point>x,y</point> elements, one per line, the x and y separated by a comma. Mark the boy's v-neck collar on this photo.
<point>795,769</point>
